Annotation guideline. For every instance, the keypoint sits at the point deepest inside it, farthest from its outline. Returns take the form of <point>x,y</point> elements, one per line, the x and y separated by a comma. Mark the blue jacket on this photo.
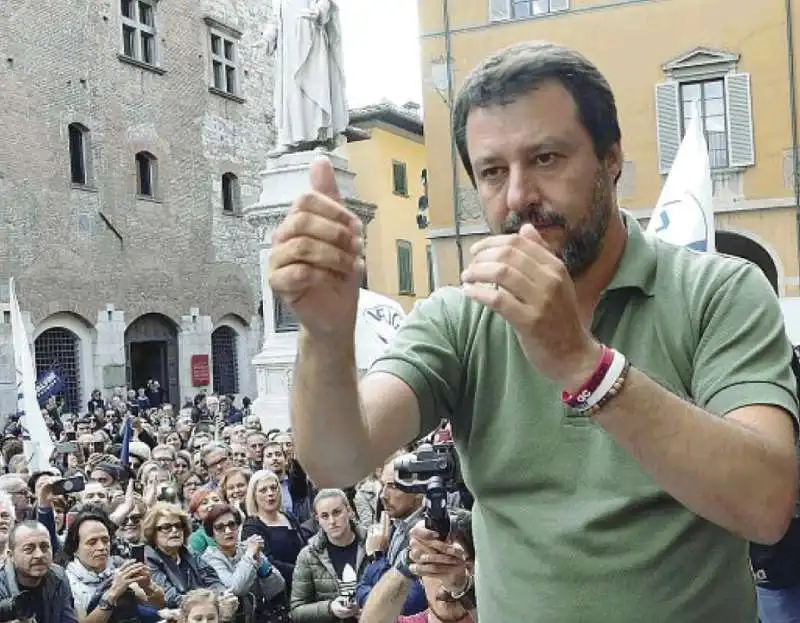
<point>416,601</point>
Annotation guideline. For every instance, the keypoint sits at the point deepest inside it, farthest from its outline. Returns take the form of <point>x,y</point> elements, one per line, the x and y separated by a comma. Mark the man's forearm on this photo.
<point>329,432</point>
<point>734,476</point>
<point>386,599</point>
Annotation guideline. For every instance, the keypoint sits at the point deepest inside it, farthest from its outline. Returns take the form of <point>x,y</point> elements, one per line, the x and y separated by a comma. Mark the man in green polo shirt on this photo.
<point>636,509</point>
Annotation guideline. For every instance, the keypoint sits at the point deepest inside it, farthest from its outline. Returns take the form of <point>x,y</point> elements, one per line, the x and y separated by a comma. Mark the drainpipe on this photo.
<point>793,113</point>
<point>448,47</point>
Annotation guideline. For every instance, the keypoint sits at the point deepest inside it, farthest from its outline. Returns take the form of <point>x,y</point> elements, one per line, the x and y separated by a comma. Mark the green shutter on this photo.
<point>399,178</point>
<point>431,274</point>
<point>405,270</point>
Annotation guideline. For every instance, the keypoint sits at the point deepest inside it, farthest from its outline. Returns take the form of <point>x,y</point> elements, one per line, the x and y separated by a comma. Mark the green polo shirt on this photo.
<point>568,528</point>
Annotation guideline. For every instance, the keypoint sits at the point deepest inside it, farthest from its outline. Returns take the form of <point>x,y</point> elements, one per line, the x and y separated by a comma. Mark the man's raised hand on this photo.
<point>316,260</point>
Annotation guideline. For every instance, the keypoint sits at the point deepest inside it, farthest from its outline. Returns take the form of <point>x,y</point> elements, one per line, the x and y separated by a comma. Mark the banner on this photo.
<point>684,213</point>
<point>378,319</point>
<point>48,384</point>
<point>37,442</point>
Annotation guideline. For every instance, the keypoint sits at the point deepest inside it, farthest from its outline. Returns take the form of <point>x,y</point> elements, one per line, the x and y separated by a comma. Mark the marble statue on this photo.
<point>310,106</point>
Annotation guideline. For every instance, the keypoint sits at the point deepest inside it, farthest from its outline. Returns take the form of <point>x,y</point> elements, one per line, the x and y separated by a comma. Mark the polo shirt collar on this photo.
<point>637,266</point>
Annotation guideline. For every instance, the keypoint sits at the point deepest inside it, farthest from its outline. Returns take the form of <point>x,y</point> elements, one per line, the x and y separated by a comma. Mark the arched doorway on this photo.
<point>151,352</point>
<point>225,360</point>
<point>59,349</point>
<point>731,243</point>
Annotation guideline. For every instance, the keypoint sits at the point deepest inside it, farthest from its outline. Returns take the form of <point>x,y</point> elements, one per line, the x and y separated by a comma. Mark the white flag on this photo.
<point>378,319</point>
<point>37,442</point>
<point>684,214</point>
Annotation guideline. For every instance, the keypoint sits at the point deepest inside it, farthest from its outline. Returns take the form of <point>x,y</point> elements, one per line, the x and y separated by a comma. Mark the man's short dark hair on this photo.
<point>30,524</point>
<point>520,69</point>
<point>271,443</point>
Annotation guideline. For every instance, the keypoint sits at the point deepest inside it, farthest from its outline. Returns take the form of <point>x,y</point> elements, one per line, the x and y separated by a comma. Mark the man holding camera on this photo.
<point>445,570</point>
<point>388,538</point>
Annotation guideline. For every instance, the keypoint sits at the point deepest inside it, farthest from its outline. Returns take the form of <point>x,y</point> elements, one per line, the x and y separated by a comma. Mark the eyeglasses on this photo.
<point>166,528</point>
<point>224,527</point>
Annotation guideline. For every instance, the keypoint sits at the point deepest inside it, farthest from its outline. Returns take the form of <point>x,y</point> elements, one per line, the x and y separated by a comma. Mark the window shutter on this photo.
<point>668,124</point>
<point>559,5</point>
<point>499,10</point>
<point>741,151</point>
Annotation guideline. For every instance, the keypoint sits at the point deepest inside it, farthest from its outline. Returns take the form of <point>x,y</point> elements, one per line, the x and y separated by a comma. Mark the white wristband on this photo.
<point>611,376</point>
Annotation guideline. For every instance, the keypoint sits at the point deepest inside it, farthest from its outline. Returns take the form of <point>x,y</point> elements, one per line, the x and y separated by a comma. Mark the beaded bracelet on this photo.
<point>615,389</point>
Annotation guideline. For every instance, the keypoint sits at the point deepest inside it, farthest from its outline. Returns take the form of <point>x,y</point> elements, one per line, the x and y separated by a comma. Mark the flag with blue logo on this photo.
<point>48,384</point>
<point>37,443</point>
<point>684,214</point>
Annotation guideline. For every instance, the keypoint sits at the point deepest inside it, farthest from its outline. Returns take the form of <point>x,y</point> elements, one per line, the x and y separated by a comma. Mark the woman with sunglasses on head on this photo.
<point>244,569</point>
<point>130,530</point>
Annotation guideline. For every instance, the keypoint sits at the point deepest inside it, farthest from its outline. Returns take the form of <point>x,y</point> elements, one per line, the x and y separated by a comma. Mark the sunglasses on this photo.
<point>132,519</point>
<point>224,527</point>
<point>166,528</point>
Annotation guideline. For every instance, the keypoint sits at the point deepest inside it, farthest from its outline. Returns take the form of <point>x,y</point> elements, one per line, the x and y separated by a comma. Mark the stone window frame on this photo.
<point>232,199</point>
<point>79,131</point>
<point>140,31</point>
<point>225,34</point>
<point>152,161</point>
<point>701,65</point>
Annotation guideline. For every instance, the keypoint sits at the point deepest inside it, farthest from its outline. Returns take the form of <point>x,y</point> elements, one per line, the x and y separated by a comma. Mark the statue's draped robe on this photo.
<point>310,105</point>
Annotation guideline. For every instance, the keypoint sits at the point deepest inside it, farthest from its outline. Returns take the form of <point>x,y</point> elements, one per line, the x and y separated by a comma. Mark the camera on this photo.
<point>69,485</point>
<point>432,469</point>
<point>167,493</point>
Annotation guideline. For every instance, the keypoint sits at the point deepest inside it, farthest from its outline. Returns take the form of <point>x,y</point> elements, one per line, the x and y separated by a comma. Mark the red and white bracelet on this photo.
<point>605,383</point>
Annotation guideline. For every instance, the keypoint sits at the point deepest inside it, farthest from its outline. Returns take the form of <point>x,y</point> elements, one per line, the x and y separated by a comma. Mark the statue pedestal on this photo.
<point>282,182</point>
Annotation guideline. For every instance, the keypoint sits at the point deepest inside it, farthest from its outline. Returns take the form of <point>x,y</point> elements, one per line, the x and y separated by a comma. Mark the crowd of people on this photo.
<point>202,516</point>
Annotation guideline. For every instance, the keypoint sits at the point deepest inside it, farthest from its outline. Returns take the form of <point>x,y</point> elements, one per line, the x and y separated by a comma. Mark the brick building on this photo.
<point>133,132</point>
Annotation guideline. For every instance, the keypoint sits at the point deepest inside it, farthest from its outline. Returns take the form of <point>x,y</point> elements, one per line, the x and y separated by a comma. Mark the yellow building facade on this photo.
<point>389,162</point>
<point>659,55</point>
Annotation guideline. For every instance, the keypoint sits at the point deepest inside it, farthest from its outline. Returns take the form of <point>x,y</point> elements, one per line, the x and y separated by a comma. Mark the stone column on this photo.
<point>283,181</point>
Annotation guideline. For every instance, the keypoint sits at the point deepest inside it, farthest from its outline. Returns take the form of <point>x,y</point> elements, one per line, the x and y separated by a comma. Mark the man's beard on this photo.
<point>584,239</point>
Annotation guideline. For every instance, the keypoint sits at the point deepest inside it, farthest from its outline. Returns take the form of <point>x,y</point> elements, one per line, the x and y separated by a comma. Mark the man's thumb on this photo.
<point>323,179</point>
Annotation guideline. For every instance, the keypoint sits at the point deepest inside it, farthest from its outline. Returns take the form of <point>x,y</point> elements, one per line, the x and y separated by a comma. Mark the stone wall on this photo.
<point>91,249</point>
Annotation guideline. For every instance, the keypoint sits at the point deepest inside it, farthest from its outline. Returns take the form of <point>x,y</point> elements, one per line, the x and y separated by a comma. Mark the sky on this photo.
<point>381,51</point>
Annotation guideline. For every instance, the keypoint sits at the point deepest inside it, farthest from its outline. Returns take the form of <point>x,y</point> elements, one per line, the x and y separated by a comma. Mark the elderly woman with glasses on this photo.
<point>243,568</point>
<point>100,580</point>
<point>166,529</point>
